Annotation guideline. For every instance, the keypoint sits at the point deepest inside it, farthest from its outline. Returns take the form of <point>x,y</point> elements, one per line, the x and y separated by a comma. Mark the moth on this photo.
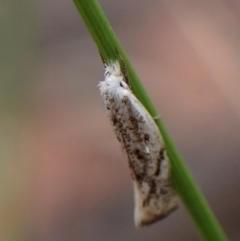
<point>143,145</point>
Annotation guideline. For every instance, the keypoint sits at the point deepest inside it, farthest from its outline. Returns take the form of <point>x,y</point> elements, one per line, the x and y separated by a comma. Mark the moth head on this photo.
<point>114,77</point>
<point>113,68</point>
<point>114,82</point>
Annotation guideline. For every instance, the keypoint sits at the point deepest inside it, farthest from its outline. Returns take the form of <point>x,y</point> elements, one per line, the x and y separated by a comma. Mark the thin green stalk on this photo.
<point>190,194</point>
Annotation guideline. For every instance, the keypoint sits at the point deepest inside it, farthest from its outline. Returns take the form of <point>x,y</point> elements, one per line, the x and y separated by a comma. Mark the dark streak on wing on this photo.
<point>159,160</point>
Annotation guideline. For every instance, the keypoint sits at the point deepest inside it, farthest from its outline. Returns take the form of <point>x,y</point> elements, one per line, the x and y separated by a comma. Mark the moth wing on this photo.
<point>154,195</point>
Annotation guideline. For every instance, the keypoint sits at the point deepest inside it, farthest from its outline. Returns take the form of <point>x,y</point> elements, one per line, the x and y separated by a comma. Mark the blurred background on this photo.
<point>62,173</point>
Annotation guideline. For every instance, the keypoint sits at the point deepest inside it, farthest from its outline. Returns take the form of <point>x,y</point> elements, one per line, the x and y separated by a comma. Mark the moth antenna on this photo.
<point>102,58</point>
<point>125,72</point>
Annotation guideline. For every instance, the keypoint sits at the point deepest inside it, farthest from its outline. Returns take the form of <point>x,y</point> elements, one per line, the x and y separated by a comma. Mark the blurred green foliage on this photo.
<point>17,62</point>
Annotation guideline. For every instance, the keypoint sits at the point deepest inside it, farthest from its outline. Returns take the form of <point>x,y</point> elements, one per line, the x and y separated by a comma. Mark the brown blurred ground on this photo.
<point>187,56</point>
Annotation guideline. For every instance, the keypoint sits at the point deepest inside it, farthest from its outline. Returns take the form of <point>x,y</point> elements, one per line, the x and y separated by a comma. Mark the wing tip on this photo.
<point>147,215</point>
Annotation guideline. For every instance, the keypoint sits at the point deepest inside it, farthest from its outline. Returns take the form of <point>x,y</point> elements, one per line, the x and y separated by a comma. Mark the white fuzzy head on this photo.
<point>114,80</point>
